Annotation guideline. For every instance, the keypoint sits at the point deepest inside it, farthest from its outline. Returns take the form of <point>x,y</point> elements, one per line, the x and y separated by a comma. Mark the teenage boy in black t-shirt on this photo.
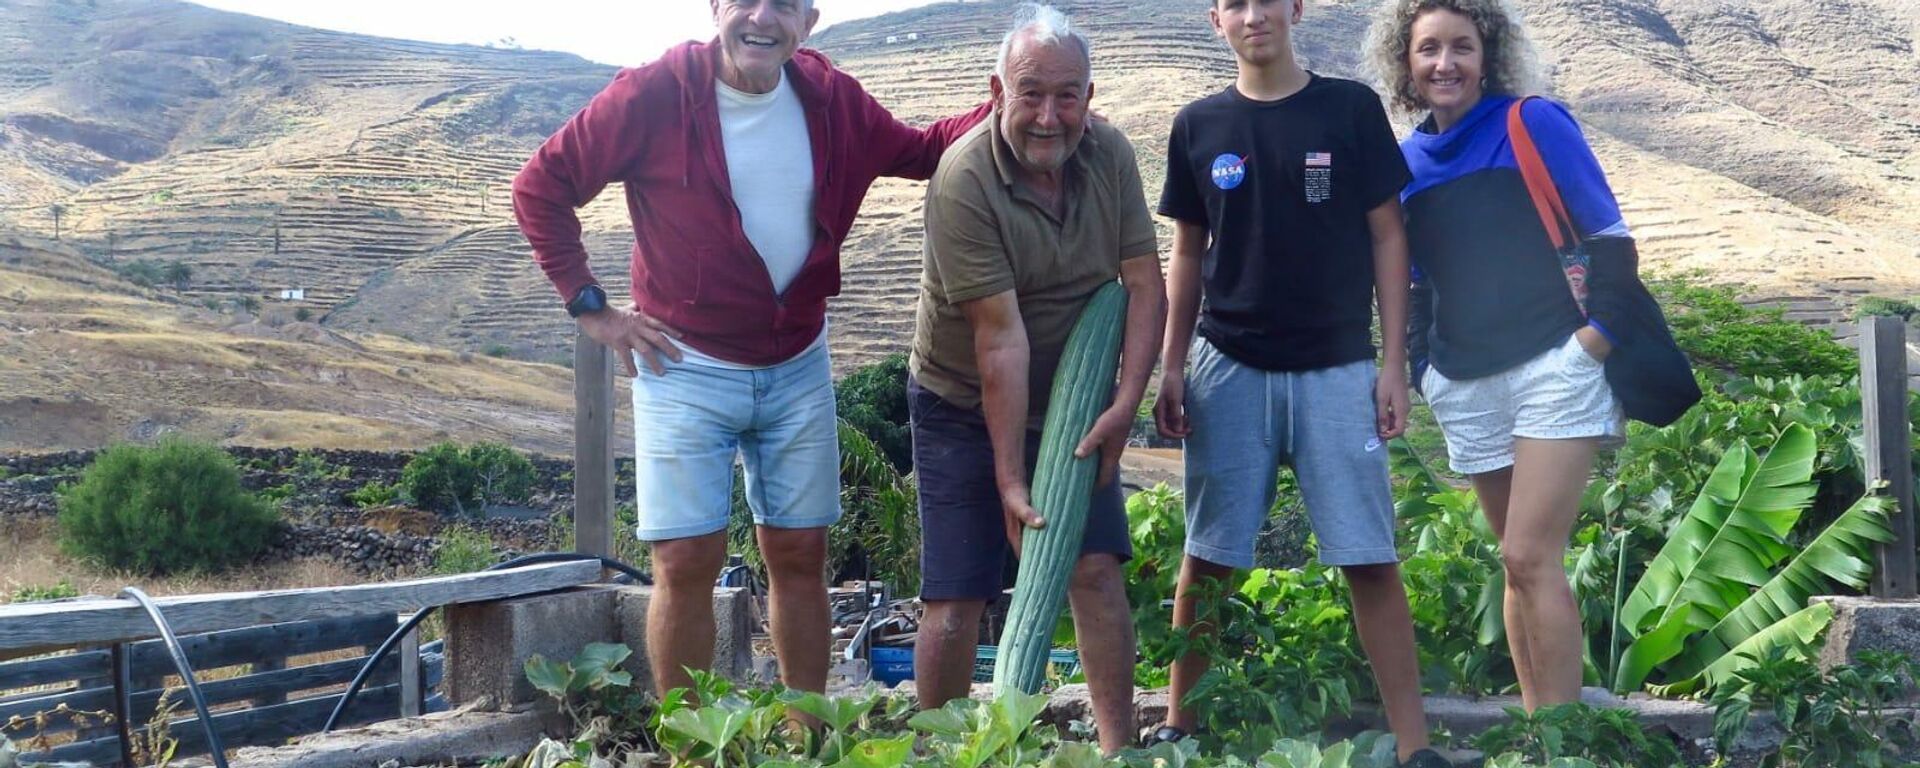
<point>1284,189</point>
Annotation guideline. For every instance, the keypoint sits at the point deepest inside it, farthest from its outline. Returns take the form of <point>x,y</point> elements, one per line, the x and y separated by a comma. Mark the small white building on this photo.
<point>912,36</point>
<point>293,294</point>
<point>891,39</point>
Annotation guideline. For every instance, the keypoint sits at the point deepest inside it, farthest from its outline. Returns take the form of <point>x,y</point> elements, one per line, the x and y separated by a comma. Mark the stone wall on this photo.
<point>321,521</point>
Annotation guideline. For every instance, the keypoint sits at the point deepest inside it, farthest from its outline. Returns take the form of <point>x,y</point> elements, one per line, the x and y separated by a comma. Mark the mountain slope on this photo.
<point>1774,144</point>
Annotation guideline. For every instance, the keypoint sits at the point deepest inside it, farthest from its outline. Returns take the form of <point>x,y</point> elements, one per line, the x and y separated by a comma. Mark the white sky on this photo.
<point>623,32</point>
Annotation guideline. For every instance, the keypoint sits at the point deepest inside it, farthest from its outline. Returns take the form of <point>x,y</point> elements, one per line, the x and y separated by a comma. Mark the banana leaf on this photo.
<point>1843,554</point>
<point>1795,633</point>
<point>1730,539</point>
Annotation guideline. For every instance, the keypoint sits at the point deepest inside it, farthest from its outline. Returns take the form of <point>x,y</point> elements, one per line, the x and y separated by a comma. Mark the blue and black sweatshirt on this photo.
<point>1489,292</point>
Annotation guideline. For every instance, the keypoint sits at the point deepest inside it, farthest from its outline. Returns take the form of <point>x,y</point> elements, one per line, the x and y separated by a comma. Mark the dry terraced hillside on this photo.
<point>1771,143</point>
<point>88,359</point>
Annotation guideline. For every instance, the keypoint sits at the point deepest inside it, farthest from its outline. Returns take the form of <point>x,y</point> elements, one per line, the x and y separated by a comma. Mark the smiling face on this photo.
<point>1043,102</point>
<point>758,37</point>
<point>1259,31</point>
<point>1446,58</point>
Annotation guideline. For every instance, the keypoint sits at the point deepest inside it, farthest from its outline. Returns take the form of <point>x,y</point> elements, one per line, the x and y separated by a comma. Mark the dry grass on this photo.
<point>33,559</point>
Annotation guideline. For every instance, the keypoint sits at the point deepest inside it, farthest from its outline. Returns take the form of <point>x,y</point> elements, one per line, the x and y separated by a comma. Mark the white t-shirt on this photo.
<point>770,164</point>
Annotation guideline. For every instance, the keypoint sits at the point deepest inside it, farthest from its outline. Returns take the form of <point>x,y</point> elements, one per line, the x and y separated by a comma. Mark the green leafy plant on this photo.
<point>1840,717</point>
<point>880,518</point>
<point>170,507</point>
<point>463,550</point>
<point>467,481</point>
<point>569,683</point>
<point>1285,658</point>
<point>873,399</point>
<point>308,465</point>
<point>374,494</point>
<point>60,591</point>
<point>1713,599</point>
<point>1608,737</point>
<point>1720,332</point>
<point>1883,306</point>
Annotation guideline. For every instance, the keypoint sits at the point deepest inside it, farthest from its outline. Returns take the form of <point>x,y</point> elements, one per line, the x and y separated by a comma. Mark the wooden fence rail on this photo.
<point>294,707</point>
<point>108,659</point>
<point>31,628</point>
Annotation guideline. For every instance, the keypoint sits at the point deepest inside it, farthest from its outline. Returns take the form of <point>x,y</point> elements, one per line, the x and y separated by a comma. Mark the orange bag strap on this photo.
<point>1546,197</point>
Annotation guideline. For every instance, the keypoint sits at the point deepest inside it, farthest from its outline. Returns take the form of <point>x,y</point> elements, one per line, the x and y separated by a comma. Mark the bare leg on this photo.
<point>1494,488</point>
<point>680,614</point>
<point>1385,623</point>
<point>1548,479</point>
<point>797,604</point>
<point>1103,624</point>
<point>1188,669</point>
<point>943,653</point>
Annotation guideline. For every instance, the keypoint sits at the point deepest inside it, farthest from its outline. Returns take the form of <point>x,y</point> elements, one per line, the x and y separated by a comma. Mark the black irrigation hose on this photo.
<point>366,671</point>
<point>185,668</point>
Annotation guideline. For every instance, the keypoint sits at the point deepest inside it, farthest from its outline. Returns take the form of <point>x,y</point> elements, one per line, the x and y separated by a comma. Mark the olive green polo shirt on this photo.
<point>987,233</point>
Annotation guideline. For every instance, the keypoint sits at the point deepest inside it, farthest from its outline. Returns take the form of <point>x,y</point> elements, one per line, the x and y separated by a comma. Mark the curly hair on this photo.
<point>1511,66</point>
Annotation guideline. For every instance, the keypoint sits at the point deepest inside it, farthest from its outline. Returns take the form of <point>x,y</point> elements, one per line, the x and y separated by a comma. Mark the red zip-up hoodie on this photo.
<point>656,129</point>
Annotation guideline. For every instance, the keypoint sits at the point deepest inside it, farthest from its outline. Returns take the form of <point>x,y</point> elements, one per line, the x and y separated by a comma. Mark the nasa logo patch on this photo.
<point>1229,171</point>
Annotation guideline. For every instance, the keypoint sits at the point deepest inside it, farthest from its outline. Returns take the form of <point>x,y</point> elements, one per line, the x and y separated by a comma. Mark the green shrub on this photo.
<point>374,494</point>
<point>873,399</point>
<point>60,591</point>
<point>170,507</point>
<point>308,465</point>
<point>497,350</point>
<point>448,478</point>
<point>1611,737</point>
<point>1882,306</point>
<point>463,550</point>
<point>1719,332</point>
<point>279,495</point>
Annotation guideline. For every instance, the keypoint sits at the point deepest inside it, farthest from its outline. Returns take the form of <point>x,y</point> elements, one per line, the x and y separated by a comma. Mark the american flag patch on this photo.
<point>1321,159</point>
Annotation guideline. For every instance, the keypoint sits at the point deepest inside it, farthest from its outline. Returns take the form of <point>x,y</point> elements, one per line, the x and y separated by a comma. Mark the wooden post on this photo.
<point>412,676</point>
<point>592,447</point>
<point>1883,405</point>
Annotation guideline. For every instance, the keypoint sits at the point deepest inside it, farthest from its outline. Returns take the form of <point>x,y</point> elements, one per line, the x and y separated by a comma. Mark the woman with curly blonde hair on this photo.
<point>1509,333</point>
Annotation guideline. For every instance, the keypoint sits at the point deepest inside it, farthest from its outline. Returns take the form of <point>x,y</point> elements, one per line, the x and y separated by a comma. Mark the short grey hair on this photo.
<point>1048,26</point>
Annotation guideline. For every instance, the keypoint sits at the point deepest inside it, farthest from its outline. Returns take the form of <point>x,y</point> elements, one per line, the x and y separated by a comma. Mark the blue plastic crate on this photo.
<point>1062,663</point>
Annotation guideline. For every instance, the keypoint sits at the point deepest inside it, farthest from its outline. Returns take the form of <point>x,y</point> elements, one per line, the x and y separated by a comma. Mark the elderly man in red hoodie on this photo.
<point>745,161</point>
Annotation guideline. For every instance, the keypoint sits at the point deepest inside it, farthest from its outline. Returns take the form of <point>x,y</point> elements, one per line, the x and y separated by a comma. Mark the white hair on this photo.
<point>1047,26</point>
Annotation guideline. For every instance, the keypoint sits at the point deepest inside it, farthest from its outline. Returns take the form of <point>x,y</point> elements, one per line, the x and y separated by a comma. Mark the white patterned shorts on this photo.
<point>1561,394</point>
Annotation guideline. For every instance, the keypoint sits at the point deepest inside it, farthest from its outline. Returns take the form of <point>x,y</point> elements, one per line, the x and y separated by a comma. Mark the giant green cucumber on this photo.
<point>1062,490</point>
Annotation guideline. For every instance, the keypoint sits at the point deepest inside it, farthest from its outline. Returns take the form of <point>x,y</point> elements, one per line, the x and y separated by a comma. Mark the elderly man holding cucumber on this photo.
<point>1030,215</point>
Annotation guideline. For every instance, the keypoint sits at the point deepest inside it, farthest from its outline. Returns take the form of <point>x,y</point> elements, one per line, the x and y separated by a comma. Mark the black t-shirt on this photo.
<point>1284,187</point>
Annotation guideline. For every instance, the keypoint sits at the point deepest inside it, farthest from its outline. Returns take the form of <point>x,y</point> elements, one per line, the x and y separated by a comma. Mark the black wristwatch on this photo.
<point>589,299</point>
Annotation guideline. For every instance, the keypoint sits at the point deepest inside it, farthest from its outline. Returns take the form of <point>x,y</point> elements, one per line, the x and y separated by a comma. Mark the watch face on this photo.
<point>590,299</point>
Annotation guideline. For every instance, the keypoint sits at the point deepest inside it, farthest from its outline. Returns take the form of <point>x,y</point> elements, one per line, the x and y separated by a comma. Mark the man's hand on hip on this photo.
<point>628,333</point>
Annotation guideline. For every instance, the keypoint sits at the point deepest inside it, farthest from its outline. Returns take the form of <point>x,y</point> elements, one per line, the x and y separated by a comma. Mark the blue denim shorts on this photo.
<point>1246,422</point>
<point>690,426</point>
